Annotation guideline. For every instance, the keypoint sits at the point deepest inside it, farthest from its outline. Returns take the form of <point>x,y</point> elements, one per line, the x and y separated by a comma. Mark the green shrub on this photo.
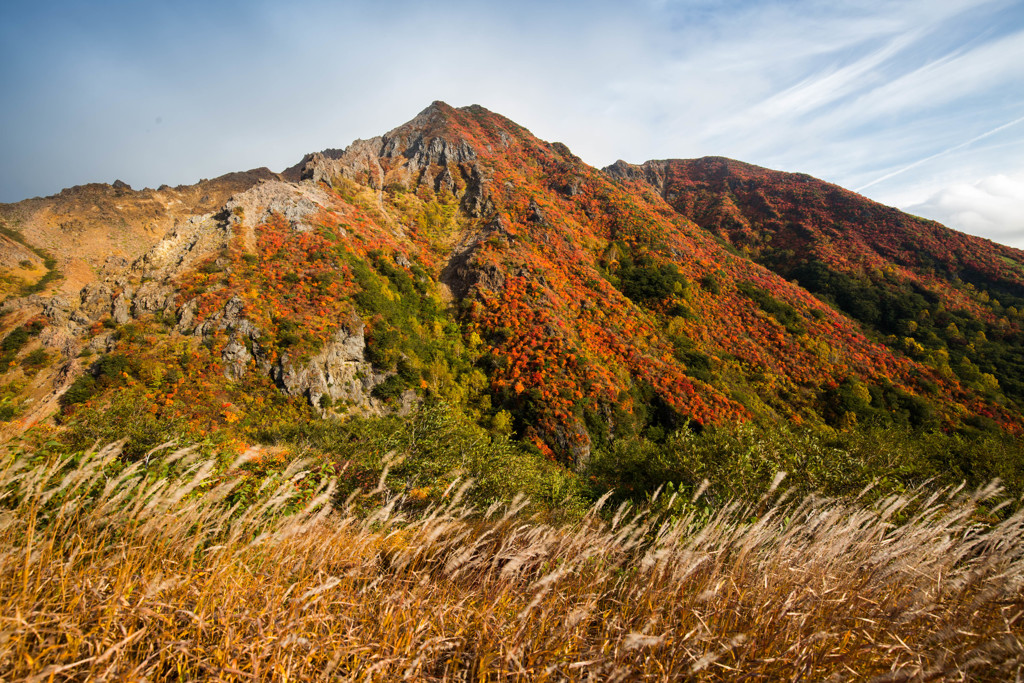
<point>16,340</point>
<point>13,342</point>
<point>121,418</point>
<point>742,462</point>
<point>427,451</point>
<point>644,281</point>
<point>36,359</point>
<point>787,316</point>
<point>80,391</point>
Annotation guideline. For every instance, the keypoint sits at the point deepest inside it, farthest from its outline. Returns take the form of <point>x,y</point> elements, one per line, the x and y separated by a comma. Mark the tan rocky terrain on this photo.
<point>19,266</point>
<point>98,229</point>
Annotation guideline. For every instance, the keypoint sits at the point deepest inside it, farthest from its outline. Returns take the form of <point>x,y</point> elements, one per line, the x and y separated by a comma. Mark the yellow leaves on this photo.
<point>419,494</point>
<point>989,382</point>
<point>502,422</point>
<point>913,348</point>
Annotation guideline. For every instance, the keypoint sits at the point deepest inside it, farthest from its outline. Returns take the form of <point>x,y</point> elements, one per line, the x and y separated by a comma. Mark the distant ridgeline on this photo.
<point>457,288</point>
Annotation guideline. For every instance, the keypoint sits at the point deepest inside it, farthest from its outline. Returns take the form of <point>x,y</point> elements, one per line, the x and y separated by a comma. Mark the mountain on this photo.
<point>458,257</point>
<point>934,293</point>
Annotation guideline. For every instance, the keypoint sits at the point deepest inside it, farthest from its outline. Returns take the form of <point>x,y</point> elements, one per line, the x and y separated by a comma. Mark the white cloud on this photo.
<point>992,207</point>
<point>849,92</point>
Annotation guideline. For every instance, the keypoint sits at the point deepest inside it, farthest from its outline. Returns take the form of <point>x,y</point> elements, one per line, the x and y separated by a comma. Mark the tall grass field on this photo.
<point>161,571</point>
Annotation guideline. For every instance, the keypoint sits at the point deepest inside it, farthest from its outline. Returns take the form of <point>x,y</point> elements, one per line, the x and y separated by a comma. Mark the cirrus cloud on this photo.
<point>899,99</point>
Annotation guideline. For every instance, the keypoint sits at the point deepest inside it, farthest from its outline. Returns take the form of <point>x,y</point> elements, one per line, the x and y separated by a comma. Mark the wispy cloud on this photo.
<point>873,94</point>
<point>950,150</point>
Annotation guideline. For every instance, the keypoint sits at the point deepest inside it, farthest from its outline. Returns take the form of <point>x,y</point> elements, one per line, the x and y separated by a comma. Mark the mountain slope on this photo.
<point>459,257</point>
<point>951,299</point>
<point>98,229</point>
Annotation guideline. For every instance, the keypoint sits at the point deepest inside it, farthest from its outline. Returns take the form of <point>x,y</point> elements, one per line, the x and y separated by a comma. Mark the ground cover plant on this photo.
<point>174,568</point>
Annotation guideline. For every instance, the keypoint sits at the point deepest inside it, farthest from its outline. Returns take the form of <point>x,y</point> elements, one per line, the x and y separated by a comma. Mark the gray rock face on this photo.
<point>413,154</point>
<point>339,371</point>
<point>571,187</point>
<point>462,272</point>
<point>187,243</point>
<point>244,335</point>
<point>121,309</point>
<point>477,201</point>
<point>152,297</point>
<point>321,168</point>
<point>62,338</point>
<point>574,438</point>
<point>96,302</point>
<point>293,201</point>
<point>423,151</point>
<point>653,172</point>
<point>114,265</point>
<point>236,359</point>
<point>623,170</point>
<point>536,214</point>
<point>187,316</point>
<point>227,318</point>
<point>58,311</point>
<point>103,343</point>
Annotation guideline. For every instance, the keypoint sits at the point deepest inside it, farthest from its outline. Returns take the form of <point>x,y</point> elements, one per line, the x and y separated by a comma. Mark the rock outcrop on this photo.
<point>292,201</point>
<point>339,371</point>
<point>418,153</point>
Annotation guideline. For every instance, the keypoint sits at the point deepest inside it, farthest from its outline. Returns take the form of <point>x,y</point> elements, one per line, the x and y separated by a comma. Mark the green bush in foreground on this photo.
<point>428,449</point>
<point>426,452</point>
<point>742,462</point>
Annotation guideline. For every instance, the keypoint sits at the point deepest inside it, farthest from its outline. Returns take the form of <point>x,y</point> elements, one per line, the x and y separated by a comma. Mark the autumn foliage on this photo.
<point>500,272</point>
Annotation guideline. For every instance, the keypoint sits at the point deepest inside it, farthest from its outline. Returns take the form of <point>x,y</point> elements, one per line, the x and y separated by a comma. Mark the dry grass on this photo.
<point>129,578</point>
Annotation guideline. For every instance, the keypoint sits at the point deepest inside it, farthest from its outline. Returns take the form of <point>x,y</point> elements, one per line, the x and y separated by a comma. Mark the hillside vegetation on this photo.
<point>593,318</point>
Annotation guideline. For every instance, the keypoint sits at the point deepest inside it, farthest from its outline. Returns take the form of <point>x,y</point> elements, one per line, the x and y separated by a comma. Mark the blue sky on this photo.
<point>917,104</point>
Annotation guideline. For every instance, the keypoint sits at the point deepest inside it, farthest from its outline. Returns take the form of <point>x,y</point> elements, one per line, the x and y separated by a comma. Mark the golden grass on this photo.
<point>130,578</point>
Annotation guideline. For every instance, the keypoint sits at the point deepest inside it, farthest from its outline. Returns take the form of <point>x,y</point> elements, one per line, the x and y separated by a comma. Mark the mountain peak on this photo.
<point>439,147</point>
<point>641,300</point>
<point>473,123</point>
<point>438,107</point>
<point>436,113</point>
